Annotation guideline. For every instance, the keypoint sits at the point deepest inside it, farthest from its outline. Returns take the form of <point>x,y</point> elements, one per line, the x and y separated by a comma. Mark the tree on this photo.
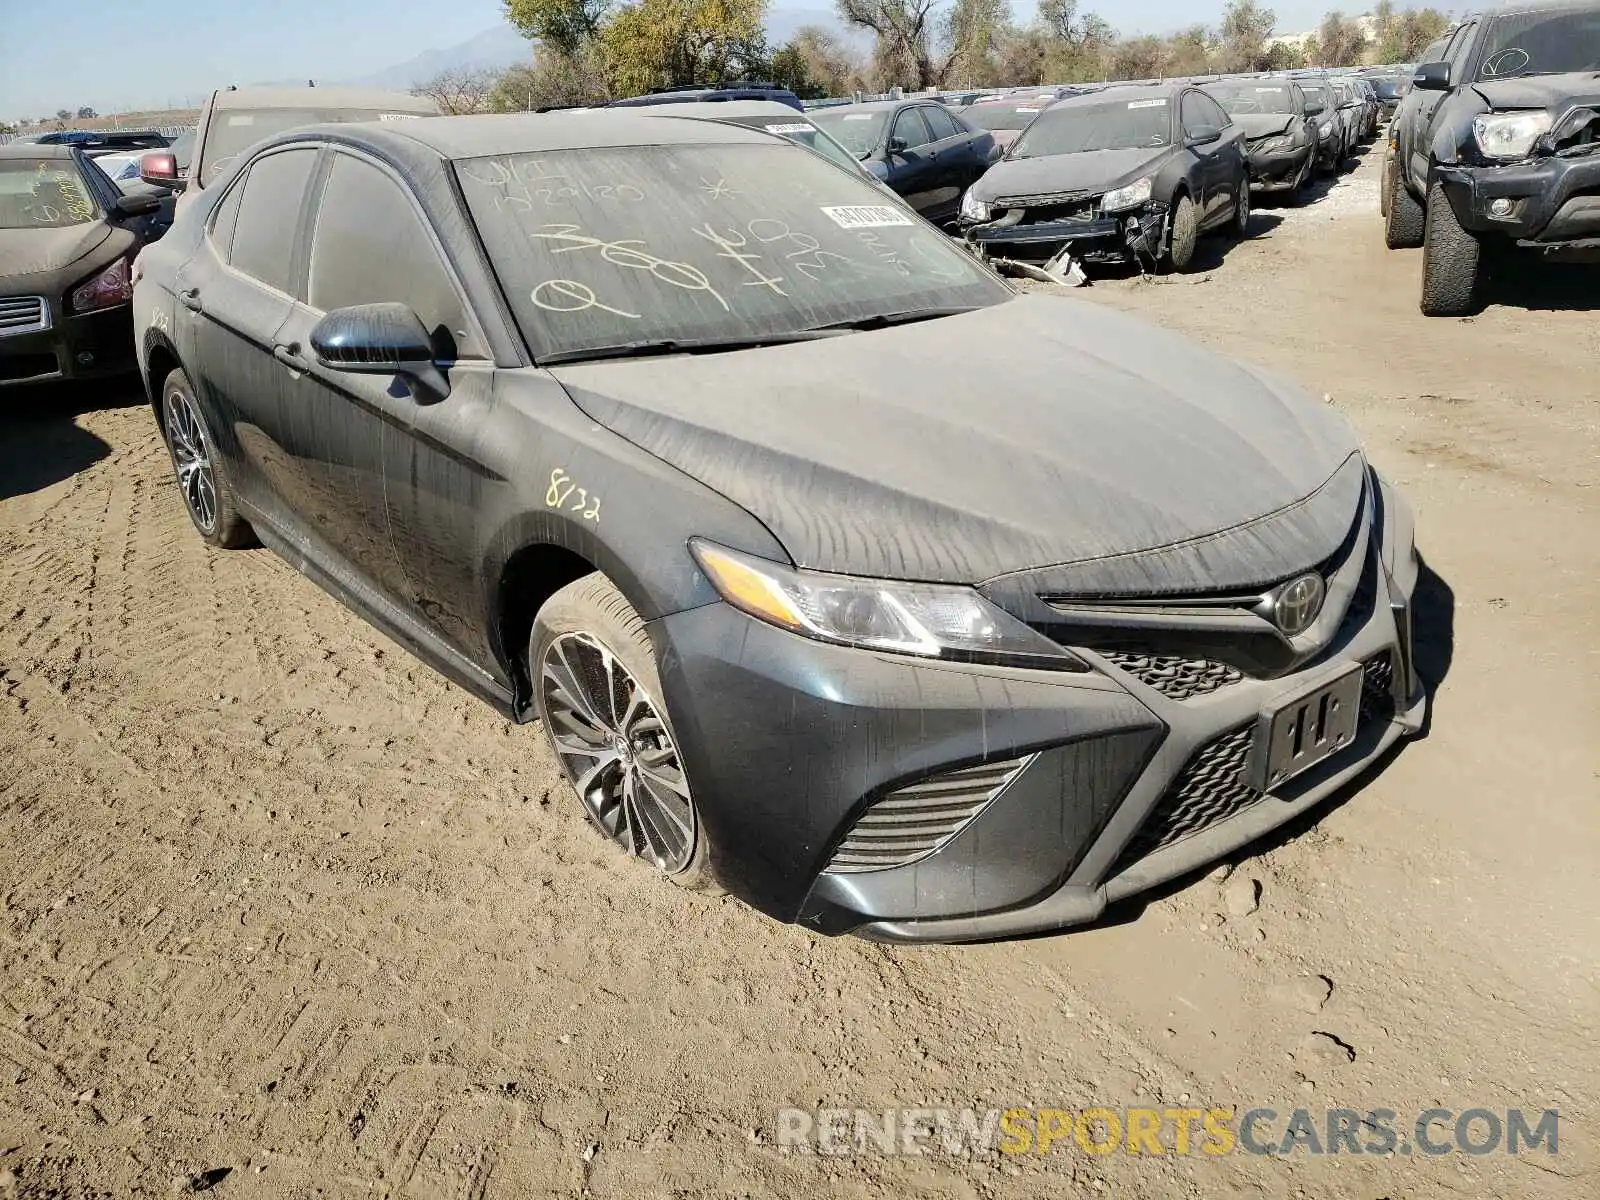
<point>1340,41</point>
<point>827,63</point>
<point>5,127</point>
<point>86,113</point>
<point>63,114</point>
<point>1246,26</point>
<point>1138,58</point>
<point>973,31</point>
<point>683,43</point>
<point>565,26</point>
<point>553,80</point>
<point>1418,29</point>
<point>903,54</point>
<point>458,91</point>
<point>1189,52</point>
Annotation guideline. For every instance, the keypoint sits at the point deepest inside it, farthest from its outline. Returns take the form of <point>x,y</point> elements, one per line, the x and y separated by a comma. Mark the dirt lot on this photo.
<point>276,901</point>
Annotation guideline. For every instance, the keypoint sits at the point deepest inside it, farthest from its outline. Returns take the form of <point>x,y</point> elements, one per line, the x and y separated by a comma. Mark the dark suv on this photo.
<point>1509,152</point>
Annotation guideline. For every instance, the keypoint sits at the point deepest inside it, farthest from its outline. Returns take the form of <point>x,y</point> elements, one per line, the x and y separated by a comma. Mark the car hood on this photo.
<point>1259,125</point>
<point>1554,92</point>
<point>1038,432</point>
<point>31,251</point>
<point>1091,171</point>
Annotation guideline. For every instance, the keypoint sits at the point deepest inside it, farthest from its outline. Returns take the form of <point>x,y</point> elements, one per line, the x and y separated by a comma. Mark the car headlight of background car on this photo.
<point>1326,131</point>
<point>1276,145</point>
<point>973,209</point>
<point>111,286</point>
<point>1128,197</point>
<point>1510,135</point>
<point>925,619</point>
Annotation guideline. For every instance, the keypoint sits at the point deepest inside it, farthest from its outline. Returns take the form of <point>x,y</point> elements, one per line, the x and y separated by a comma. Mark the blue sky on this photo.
<point>147,53</point>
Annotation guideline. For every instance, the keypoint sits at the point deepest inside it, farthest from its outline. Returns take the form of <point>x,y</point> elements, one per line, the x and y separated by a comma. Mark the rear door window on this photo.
<point>269,215</point>
<point>940,123</point>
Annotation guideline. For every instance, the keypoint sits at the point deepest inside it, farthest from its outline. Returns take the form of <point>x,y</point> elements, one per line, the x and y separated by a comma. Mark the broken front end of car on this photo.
<point>1127,225</point>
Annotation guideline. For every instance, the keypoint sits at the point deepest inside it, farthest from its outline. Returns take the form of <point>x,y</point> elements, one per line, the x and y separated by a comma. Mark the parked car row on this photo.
<point>836,572</point>
<point>1496,148</point>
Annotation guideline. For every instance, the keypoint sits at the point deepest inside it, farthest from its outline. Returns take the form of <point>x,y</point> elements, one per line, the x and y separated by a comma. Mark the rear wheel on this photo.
<point>1452,262</point>
<point>1185,234</point>
<point>202,475</point>
<point>1384,188</point>
<point>598,695</point>
<point>1407,222</point>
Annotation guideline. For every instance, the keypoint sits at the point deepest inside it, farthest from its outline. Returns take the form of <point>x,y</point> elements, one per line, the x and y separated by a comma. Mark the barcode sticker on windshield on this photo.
<point>399,116</point>
<point>859,116</point>
<point>1161,103</point>
<point>1275,91</point>
<point>865,216</point>
<point>796,127</point>
<point>1027,110</point>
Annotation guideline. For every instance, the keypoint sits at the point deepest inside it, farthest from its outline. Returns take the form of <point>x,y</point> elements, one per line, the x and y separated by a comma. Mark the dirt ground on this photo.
<point>284,914</point>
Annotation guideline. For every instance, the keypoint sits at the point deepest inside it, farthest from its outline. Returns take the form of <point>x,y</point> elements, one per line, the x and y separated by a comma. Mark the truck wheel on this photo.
<point>1452,262</point>
<point>1185,234</point>
<point>1406,219</point>
<point>1383,190</point>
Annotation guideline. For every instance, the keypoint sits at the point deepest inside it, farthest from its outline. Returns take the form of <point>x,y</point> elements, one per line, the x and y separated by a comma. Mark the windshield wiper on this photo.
<point>653,347</point>
<point>884,320</point>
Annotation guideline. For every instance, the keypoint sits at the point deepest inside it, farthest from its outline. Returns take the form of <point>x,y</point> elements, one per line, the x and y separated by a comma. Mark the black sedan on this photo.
<point>922,150</point>
<point>835,571</point>
<point>1133,173</point>
<point>1280,134</point>
<point>68,237</point>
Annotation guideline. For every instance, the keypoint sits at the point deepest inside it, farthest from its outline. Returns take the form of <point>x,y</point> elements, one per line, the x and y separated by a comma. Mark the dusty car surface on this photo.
<point>67,240</point>
<point>921,149</point>
<point>1505,149</point>
<point>1006,119</point>
<point>1133,173</point>
<point>611,420</point>
<point>773,116</point>
<point>1280,132</point>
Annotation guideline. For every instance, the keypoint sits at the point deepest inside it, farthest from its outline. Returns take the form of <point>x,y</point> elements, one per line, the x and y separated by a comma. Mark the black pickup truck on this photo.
<point>1508,151</point>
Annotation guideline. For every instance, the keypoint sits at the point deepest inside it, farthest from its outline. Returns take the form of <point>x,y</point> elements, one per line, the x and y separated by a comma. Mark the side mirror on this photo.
<point>1433,77</point>
<point>1203,135</point>
<point>138,206</point>
<point>897,145</point>
<point>379,339</point>
<point>160,168</point>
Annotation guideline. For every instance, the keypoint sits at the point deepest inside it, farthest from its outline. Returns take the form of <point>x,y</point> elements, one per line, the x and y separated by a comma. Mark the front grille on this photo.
<point>1041,199</point>
<point>1175,677</point>
<point>917,820</point>
<point>1211,787</point>
<point>23,314</point>
<point>1044,213</point>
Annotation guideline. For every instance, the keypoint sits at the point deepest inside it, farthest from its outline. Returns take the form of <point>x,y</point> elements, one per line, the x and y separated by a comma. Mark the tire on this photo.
<point>201,473</point>
<point>1452,262</point>
<point>1383,188</point>
<point>588,653</point>
<point>1185,234</point>
<point>1241,216</point>
<point>1407,222</point>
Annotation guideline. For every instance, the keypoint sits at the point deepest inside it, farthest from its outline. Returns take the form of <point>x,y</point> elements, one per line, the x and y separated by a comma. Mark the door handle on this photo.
<point>190,298</point>
<point>290,357</point>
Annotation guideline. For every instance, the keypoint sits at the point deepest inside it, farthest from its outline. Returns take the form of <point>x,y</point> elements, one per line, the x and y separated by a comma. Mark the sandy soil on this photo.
<point>283,914</point>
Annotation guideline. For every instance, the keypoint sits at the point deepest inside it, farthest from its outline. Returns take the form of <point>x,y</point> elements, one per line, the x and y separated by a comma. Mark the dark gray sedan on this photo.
<point>922,150</point>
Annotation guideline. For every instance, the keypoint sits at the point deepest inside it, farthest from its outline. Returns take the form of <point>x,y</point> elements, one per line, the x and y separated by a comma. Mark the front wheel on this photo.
<point>1241,216</point>
<point>598,695</point>
<point>1452,262</point>
<point>202,475</point>
<point>1185,234</point>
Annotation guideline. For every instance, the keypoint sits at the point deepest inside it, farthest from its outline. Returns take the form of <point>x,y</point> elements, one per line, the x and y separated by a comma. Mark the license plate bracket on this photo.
<point>1296,736</point>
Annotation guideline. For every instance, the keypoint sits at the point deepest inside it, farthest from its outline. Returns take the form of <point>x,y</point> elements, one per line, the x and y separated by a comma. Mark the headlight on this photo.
<point>1326,131</point>
<point>973,209</point>
<point>1273,145</point>
<point>1510,135</point>
<point>1128,197</point>
<point>925,619</point>
<point>111,286</point>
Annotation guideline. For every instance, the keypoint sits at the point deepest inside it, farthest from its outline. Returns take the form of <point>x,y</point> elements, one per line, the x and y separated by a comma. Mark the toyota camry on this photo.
<point>836,573</point>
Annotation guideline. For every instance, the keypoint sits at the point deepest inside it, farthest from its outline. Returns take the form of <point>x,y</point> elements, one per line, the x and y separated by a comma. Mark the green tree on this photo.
<point>1340,41</point>
<point>683,43</point>
<point>561,25</point>
<point>973,32</point>
<point>1189,52</point>
<point>1246,26</point>
<point>1418,28</point>
<point>552,80</point>
<point>1138,58</point>
<point>829,64</point>
<point>903,39</point>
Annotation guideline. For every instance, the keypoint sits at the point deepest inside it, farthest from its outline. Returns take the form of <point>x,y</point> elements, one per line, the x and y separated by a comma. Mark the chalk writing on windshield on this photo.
<point>718,190</point>
<point>568,296</point>
<point>522,185</point>
<point>631,252</point>
<point>732,245</point>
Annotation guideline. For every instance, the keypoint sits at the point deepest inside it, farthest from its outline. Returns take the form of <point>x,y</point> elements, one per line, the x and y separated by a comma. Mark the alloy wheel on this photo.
<point>617,751</point>
<point>191,457</point>
<point>1244,211</point>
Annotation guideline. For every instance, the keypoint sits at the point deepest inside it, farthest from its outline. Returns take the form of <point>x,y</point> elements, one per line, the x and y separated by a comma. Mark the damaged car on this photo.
<point>1133,174</point>
<point>837,573</point>
<point>1510,155</point>
<point>1280,132</point>
<point>1322,107</point>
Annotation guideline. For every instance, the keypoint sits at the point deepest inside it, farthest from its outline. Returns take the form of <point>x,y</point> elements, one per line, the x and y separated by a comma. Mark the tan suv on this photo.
<point>234,119</point>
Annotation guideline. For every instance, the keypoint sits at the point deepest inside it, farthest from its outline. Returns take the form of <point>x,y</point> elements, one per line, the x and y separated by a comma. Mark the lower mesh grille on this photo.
<point>1174,677</point>
<point>915,821</point>
<point>1211,786</point>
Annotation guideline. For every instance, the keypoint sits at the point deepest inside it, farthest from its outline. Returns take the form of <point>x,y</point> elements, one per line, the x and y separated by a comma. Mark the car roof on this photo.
<point>323,97</point>
<point>36,150</point>
<point>721,109</point>
<point>533,133</point>
<point>1130,93</point>
<point>880,105</point>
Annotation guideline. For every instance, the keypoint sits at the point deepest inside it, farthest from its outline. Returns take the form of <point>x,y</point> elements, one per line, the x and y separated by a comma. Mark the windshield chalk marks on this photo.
<point>581,295</point>
<point>521,186</point>
<point>808,256</point>
<point>718,190</point>
<point>631,253</point>
<point>735,250</point>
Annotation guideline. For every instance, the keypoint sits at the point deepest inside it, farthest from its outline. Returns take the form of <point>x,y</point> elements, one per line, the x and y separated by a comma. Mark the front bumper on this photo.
<point>1122,237</point>
<point>1555,202</point>
<point>1112,783</point>
<point>72,347</point>
<point>1279,170</point>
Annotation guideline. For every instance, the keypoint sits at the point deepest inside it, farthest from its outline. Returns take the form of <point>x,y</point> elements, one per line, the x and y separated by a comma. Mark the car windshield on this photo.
<point>1244,99</point>
<point>858,132</point>
<point>233,130</point>
<point>1077,128</point>
<point>1387,86</point>
<point>43,193</point>
<point>1319,95</point>
<point>605,249</point>
<point>1542,43</point>
<point>806,134</point>
<point>1003,116</point>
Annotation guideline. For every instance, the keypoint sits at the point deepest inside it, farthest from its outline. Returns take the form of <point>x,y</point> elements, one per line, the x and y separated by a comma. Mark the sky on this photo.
<point>171,53</point>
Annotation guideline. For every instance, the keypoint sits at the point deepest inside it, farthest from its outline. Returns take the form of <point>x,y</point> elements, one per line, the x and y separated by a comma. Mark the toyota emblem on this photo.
<point>1298,604</point>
